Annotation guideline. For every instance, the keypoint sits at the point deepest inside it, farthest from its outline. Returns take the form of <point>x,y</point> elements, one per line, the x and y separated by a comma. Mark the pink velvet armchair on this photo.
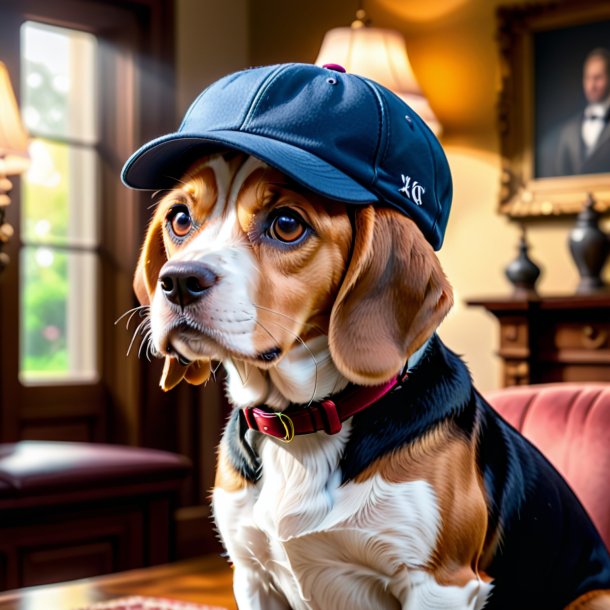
<point>570,424</point>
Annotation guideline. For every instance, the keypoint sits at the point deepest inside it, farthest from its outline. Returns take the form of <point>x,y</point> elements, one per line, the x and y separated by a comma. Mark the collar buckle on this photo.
<point>278,425</point>
<point>288,427</point>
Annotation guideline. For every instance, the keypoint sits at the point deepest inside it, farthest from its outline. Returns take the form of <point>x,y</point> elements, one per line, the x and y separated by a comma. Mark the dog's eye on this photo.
<point>179,220</point>
<point>287,227</point>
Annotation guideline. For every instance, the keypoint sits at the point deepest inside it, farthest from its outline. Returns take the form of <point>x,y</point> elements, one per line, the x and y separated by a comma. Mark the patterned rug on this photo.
<point>147,603</point>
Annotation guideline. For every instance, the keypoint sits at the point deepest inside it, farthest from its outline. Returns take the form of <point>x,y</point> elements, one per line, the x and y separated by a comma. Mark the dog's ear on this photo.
<point>392,298</point>
<point>152,258</point>
<point>151,261</point>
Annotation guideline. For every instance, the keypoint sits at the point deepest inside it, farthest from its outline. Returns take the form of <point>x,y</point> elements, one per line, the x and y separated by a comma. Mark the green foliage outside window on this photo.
<point>59,204</point>
<point>44,307</point>
<point>45,221</point>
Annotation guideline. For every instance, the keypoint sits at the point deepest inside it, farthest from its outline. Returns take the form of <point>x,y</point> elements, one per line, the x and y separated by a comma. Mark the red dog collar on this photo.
<point>326,415</point>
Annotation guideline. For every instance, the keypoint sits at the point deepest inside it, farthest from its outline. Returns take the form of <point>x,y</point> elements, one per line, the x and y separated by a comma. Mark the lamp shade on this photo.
<point>381,55</point>
<point>13,137</point>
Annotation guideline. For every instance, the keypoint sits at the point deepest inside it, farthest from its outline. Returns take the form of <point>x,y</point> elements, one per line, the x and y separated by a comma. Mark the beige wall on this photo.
<point>453,51</point>
<point>211,41</point>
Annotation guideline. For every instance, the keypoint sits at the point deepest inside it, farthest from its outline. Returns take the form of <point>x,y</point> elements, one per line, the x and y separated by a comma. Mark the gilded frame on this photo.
<point>522,192</point>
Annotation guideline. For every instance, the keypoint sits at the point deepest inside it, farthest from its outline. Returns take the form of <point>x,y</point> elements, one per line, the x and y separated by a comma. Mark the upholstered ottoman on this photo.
<point>75,510</point>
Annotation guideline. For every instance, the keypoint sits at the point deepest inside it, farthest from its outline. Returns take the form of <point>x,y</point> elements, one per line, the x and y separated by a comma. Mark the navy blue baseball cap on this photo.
<point>340,135</point>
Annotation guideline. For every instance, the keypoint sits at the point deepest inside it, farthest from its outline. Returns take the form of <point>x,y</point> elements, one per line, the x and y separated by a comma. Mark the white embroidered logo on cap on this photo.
<point>413,190</point>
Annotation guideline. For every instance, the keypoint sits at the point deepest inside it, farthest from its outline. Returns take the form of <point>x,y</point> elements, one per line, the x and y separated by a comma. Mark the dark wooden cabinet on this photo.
<point>552,338</point>
<point>76,510</point>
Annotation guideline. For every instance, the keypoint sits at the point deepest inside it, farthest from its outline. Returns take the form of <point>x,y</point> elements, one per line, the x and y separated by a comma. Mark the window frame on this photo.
<point>137,55</point>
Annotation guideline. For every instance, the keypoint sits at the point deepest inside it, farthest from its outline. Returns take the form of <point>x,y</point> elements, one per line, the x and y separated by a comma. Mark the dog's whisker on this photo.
<point>334,390</point>
<point>141,312</point>
<point>248,370</point>
<point>151,352</point>
<point>300,340</point>
<point>215,369</point>
<point>129,311</point>
<point>142,309</point>
<point>133,338</point>
<point>146,341</point>
<point>142,344</point>
<point>135,334</point>
<point>143,329</point>
<point>289,318</point>
<point>259,323</point>
<point>239,373</point>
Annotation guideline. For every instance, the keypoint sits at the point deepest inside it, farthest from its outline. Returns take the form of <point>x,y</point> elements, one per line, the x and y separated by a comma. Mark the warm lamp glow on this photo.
<point>13,153</point>
<point>380,55</point>
<point>13,137</point>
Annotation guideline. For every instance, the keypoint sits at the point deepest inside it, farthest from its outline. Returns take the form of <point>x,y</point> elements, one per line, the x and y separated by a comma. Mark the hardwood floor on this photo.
<point>206,580</point>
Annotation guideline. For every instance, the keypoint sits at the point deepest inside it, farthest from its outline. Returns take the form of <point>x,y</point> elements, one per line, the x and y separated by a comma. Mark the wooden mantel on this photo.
<point>552,338</point>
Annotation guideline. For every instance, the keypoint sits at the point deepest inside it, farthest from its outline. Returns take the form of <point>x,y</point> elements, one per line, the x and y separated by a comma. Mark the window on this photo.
<point>103,85</point>
<point>59,206</point>
<point>94,79</point>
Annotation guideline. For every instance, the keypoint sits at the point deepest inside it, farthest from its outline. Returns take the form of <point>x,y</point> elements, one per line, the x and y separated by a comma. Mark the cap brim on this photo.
<point>161,163</point>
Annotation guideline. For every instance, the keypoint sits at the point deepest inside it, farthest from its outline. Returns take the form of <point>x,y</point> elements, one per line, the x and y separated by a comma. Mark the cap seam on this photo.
<point>382,122</point>
<point>260,93</point>
<point>192,106</point>
<point>434,165</point>
<point>381,158</point>
<point>382,103</point>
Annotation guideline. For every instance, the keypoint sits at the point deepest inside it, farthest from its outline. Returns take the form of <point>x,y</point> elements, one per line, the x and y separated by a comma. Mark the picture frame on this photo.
<point>542,49</point>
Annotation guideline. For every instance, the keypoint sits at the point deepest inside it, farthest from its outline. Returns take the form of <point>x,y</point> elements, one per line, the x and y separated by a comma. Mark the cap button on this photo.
<point>335,67</point>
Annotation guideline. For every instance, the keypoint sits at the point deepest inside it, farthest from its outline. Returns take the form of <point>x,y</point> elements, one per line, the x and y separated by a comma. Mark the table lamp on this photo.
<point>381,55</point>
<point>13,153</point>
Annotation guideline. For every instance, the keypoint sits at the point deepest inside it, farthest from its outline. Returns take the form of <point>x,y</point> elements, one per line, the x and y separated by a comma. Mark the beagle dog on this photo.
<point>360,469</point>
<point>294,243</point>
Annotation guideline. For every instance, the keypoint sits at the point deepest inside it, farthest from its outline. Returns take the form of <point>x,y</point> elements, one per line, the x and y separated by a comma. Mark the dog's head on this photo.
<point>240,263</point>
<point>315,243</point>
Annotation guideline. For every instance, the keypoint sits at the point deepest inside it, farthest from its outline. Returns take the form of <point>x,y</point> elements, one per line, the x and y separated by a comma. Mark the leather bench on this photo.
<point>75,510</point>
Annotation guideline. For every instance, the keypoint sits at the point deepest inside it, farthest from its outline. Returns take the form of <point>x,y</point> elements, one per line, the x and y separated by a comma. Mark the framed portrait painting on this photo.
<point>554,107</point>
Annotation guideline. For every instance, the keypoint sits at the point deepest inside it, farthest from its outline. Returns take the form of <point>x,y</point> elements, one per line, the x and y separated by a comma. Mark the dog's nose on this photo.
<point>184,283</point>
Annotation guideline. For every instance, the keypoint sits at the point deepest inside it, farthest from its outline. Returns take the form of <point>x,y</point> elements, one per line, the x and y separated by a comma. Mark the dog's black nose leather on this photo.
<point>184,283</point>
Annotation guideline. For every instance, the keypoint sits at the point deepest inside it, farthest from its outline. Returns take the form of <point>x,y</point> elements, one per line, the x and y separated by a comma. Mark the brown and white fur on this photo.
<point>349,302</point>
